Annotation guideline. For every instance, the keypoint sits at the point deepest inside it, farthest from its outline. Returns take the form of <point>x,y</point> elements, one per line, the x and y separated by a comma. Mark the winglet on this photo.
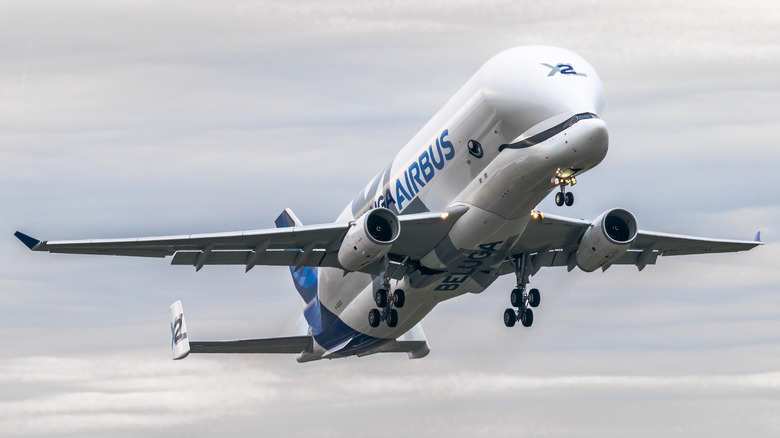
<point>30,242</point>
<point>758,237</point>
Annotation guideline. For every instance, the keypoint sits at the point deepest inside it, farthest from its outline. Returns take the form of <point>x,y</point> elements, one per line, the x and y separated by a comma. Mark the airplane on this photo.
<point>452,212</point>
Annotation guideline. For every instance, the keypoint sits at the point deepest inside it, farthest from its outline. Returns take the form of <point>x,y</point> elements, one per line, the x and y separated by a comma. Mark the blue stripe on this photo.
<point>334,331</point>
<point>328,330</point>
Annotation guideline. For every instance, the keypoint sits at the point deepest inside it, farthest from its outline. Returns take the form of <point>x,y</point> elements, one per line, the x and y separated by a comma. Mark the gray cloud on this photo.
<point>143,118</point>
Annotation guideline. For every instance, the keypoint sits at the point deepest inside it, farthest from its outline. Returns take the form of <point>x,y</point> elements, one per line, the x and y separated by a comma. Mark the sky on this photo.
<point>137,118</point>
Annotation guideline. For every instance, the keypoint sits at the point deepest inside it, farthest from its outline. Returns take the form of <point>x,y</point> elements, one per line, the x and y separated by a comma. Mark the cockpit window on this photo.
<point>549,133</point>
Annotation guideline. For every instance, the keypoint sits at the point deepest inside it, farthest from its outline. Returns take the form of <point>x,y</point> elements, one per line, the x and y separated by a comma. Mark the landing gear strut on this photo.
<point>564,197</point>
<point>387,300</point>
<point>521,299</point>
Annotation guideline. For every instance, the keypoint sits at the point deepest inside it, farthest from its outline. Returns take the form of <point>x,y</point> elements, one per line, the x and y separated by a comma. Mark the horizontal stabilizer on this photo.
<point>413,343</point>
<point>291,345</point>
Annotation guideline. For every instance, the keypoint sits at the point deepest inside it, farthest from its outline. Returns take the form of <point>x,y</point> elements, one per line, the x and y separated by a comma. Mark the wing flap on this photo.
<point>318,244</point>
<point>267,258</point>
<point>553,240</point>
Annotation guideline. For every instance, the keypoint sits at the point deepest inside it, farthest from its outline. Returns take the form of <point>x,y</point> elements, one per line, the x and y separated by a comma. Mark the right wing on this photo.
<point>553,241</point>
<point>311,245</point>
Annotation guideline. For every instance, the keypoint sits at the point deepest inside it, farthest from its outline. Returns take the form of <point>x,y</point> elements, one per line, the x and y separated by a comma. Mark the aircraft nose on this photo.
<point>592,141</point>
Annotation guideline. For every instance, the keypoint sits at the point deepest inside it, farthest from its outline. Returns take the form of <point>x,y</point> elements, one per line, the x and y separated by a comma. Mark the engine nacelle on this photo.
<point>369,239</point>
<point>607,238</point>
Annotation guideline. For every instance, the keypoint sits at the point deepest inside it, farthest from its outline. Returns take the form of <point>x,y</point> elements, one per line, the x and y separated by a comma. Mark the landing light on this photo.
<point>444,215</point>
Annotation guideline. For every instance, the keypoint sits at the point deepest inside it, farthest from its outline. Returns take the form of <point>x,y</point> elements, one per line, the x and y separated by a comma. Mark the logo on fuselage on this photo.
<point>564,69</point>
<point>422,171</point>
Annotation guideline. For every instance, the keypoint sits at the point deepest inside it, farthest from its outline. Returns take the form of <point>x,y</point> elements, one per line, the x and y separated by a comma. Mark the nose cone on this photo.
<point>526,85</point>
<point>589,142</point>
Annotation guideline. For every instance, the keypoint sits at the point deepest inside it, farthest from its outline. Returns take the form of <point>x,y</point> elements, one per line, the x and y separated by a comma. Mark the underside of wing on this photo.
<point>551,240</point>
<point>287,345</point>
<point>311,245</point>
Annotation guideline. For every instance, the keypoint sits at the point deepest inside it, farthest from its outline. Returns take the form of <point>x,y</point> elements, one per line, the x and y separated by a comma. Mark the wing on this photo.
<point>312,245</point>
<point>553,240</point>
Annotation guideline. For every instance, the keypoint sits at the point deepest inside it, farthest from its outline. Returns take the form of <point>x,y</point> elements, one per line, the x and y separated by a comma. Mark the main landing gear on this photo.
<point>564,197</point>
<point>386,301</point>
<point>521,300</point>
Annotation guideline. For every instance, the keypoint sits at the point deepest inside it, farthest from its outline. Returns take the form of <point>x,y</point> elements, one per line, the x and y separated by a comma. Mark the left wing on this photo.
<point>312,245</point>
<point>553,240</point>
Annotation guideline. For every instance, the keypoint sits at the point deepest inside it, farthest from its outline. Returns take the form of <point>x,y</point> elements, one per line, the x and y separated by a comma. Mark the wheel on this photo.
<point>559,199</point>
<point>399,298</point>
<point>534,297</point>
<point>392,318</point>
<point>516,298</point>
<point>569,199</point>
<point>527,318</point>
<point>373,318</point>
<point>510,317</point>
<point>380,297</point>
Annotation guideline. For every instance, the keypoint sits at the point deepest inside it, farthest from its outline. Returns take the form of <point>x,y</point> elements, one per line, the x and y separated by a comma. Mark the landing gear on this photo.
<point>527,318</point>
<point>392,318</point>
<point>564,197</point>
<point>522,300</point>
<point>510,317</point>
<point>399,298</point>
<point>374,317</point>
<point>387,302</point>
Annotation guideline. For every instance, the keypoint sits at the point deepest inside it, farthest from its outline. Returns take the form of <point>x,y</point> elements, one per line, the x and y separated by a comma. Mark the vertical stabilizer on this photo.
<point>180,344</point>
<point>305,278</point>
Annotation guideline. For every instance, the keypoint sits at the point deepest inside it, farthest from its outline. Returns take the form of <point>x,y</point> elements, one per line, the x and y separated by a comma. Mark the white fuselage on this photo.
<point>516,95</point>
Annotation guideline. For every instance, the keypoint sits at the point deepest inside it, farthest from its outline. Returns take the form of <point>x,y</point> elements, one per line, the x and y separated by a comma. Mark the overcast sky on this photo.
<point>121,119</point>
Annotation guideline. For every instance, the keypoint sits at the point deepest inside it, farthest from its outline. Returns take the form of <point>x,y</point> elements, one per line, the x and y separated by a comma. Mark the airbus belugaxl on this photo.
<point>452,212</point>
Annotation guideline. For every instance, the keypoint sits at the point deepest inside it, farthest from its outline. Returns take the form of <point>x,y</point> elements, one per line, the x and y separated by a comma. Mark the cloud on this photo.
<point>142,118</point>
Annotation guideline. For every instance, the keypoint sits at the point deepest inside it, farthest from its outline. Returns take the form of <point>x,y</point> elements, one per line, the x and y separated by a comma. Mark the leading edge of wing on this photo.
<point>161,246</point>
<point>677,244</point>
<point>420,232</point>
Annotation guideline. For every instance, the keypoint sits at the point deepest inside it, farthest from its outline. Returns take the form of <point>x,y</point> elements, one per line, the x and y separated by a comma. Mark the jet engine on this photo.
<point>369,239</point>
<point>607,238</point>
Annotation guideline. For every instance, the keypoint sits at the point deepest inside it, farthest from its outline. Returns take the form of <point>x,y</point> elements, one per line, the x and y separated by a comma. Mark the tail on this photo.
<point>180,343</point>
<point>305,278</point>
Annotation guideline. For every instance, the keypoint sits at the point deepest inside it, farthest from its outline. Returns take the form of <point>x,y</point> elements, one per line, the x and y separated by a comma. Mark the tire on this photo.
<point>373,318</point>
<point>509,317</point>
<point>534,298</point>
<point>516,298</point>
<point>399,298</point>
<point>392,318</point>
<point>559,199</point>
<point>380,298</point>
<point>527,318</point>
<point>569,199</point>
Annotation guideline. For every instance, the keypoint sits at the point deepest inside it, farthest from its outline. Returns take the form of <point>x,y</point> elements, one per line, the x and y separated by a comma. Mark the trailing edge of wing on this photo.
<point>273,246</point>
<point>553,241</point>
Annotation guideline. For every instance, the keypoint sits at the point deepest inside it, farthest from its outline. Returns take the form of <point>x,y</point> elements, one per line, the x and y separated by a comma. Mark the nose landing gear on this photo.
<point>564,197</point>
<point>521,300</point>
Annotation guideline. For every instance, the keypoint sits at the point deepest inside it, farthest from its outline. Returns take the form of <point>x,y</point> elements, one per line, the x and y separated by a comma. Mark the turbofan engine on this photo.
<point>607,238</point>
<point>369,239</point>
